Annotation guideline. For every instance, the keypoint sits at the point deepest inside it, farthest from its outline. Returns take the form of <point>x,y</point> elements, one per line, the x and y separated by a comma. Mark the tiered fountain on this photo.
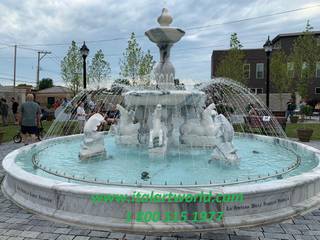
<point>171,117</point>
<point>166,141</point>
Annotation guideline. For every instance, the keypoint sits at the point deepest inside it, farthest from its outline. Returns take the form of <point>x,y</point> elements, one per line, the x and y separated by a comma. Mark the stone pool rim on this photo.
<point>303,189</point>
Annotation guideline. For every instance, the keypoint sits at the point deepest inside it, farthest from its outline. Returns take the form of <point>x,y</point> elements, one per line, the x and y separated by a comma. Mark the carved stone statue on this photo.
<point>158,133</point>
<point>224,149</point>
<point>207,123</point>
<point>93,143</point>
<point>126,130</point>
<point>174,139</point>
<point>200,132</point>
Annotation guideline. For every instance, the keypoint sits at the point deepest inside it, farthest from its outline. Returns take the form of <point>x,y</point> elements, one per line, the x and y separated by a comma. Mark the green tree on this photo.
<point>45,83</point>
<point>279,73</point>
<point>118,85</point>
<point>145,68</point>
<point>304,56</point>
<point>234,42</point>
<point>71,68</point>
<point>24,85</point>
<point>100,69</point>
<point>134,64</point>
<point>132,57</point>
<point>231,66</point>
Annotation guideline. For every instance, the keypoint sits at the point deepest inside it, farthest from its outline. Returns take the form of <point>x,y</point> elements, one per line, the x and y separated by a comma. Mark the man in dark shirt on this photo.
<point>4,111</point>
<point>29,119</point>
<point>112,115</point>
<point>14,108</point>
<point>291,106</point>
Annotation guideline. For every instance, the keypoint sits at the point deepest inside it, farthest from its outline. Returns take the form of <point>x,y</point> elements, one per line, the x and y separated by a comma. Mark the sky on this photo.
<point>51,25</point>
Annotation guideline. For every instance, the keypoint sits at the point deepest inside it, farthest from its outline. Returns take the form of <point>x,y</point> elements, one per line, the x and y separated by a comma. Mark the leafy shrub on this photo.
<point>307,110</point>
<point>224,109</point>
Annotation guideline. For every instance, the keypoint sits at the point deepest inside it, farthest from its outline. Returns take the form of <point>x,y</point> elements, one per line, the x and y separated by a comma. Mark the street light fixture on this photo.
<point>268,49</point>
<point>84,52</point>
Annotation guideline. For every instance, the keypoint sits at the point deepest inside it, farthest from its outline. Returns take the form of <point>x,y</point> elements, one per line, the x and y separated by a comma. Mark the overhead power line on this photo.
<point>18,76</point>
<point>56,59</point>
<point>187,28</point>
<point>253,18</point>
<point>18,80</point>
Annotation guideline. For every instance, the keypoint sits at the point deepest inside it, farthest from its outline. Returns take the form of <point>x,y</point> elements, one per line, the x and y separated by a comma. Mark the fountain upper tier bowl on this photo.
<point>165,34</point>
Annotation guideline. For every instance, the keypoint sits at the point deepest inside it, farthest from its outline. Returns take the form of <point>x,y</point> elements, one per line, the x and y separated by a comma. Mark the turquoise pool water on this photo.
<point>181,165</point>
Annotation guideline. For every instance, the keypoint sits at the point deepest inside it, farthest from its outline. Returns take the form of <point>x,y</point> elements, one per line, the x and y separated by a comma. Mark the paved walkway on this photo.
<point>18,224</point>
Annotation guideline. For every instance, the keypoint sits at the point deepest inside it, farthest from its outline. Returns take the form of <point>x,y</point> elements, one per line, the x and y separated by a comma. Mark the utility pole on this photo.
<point>41,55</point>
<point>14,68</point>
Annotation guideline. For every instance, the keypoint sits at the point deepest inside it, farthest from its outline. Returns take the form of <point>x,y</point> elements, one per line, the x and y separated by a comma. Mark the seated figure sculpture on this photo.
<point>158,134</point>
<point>93,143</point>
<point>126,131</point>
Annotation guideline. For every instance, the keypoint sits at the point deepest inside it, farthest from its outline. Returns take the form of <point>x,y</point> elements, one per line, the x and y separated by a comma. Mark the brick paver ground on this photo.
<point>18,224</point>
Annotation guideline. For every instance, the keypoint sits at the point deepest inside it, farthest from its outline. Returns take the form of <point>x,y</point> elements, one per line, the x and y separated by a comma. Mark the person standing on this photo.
<point>14,108</point>
<point>65,102</point>
<point>29,119</point>
<point>81,116</point>
<point>4,111</point>
<point>291,106</point>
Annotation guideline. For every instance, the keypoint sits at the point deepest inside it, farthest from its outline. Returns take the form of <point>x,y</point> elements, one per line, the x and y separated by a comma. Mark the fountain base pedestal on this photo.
<point>92,146</point>
<point>93,155</point>
<point>93,142</point>
<point>127,139</point>
<point>198,141</point>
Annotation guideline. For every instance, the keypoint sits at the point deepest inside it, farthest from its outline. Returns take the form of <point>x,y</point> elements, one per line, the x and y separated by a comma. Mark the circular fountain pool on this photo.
<point>184,166</point>
<point>265,200</point>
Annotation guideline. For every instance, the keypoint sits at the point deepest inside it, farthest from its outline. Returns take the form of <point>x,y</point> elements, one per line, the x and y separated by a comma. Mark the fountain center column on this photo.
<point>165,36</point>
<point>164,52</point>
<point>164,71</point>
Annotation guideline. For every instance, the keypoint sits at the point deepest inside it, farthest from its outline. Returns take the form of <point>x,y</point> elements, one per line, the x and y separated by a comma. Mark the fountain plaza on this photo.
<point>168,139</point>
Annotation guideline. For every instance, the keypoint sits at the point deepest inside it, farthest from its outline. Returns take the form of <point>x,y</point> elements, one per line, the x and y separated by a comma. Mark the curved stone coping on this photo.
<point>163,92</point>
<point>264,203</point>
<point>165,34</point>
<point>164,97</point>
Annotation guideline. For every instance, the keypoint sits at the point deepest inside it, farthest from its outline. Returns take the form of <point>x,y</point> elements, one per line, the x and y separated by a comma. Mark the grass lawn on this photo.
<point>11,130</point>
<point>291,129</point>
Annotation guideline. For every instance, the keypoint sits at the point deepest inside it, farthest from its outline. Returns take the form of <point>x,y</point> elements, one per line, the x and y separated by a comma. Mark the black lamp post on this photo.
<point>84,52</point>
<point>268,49</point>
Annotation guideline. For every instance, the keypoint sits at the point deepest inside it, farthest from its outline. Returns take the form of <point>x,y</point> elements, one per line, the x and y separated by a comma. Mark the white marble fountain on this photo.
<point>168,116</point>
<point>185,145</point>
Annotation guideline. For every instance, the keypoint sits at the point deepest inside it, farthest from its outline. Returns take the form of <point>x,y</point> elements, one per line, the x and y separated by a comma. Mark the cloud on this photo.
<point>61,21</point>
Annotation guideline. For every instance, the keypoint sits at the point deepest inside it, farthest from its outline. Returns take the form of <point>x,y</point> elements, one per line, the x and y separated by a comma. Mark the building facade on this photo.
<point>48,96</point>
<point>255,65</point>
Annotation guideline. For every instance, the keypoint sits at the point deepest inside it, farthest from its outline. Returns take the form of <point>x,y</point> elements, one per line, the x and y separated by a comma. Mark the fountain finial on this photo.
<point>165,18</point>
